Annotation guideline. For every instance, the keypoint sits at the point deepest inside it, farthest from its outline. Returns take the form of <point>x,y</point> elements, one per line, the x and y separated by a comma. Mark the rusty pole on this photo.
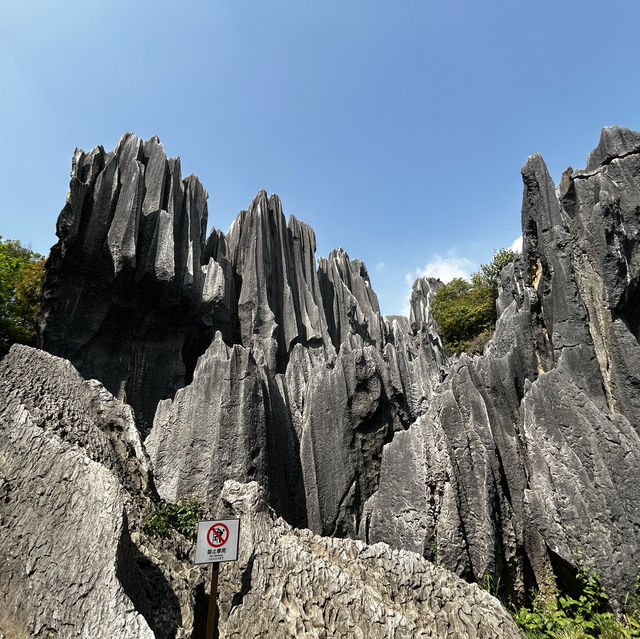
<point>211,616</point>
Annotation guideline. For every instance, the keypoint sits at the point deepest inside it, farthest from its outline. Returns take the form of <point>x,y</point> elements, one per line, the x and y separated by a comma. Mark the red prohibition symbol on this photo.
<point>217,535</point>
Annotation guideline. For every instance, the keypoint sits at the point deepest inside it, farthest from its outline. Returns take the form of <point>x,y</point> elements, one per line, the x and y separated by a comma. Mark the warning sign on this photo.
<point>217,541</point>
<point>218,535</point>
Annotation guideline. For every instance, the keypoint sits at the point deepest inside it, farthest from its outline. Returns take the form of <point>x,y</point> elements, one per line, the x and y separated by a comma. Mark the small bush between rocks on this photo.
<point>587,617</point>
<point>181,517</point>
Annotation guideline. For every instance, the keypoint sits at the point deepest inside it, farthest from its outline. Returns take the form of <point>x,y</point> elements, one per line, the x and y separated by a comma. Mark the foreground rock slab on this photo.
<point>63,534</point>
<point>74,490</point>
<point>297,584</point>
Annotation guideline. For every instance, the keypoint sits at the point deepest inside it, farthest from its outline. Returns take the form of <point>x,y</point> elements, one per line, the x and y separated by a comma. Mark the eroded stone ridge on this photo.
<point>132,282</point>
<point>303,585</point>
<point>526,463</point>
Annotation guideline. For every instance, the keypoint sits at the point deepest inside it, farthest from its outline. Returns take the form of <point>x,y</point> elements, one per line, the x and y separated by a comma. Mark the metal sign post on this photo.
<point>217,541</point>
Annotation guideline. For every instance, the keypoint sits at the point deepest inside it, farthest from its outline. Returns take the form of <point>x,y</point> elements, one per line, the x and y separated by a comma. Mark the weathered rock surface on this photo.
<point>278,299</point>
<point>73,486</point>
<point>348,418</point>
<point>527,462</point>
<point>213,429</point>
<point>133,282</point>
<point>59,563</point>
<point>351,305</point>
<point>223,425</point>
<point>302,585</point>
<point>242,360</point>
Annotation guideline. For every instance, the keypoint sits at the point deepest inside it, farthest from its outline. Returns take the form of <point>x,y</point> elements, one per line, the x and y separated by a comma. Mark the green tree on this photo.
<point>466,311</point>
<point>21,276</point>
<point>491,272</point>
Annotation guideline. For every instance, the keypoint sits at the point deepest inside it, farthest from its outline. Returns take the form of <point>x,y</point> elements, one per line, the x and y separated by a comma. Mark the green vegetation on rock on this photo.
<point>21,275</point>
<point>466,311</point>
<point>181,517</point>
<point>589,616</point>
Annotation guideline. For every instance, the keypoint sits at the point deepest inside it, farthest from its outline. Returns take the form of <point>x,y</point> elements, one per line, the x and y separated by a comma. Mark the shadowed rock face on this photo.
<point>133,283</point>
<point>242,360</point>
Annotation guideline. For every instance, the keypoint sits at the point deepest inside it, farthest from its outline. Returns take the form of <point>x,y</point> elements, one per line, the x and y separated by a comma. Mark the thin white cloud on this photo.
<point>444,268</point>
<point>517,245</point>
<point>380,266</point>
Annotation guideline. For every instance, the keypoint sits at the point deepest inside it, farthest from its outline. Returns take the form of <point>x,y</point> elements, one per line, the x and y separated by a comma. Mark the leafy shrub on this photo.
<point>586,617</point>
<point>491,272</point>
<point>181,517</point>
<point>477,344</point>
<point>21,276</point>
<point>466,311</point>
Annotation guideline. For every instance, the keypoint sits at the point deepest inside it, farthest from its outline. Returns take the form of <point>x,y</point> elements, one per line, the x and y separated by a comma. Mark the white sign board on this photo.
<point>217,540</point>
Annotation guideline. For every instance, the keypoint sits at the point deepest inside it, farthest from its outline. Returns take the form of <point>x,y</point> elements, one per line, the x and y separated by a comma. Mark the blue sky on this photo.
<point>397,129</point>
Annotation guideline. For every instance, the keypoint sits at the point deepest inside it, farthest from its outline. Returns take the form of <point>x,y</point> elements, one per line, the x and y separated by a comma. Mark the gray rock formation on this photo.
<point>229,422</point>
<point>351,305</point>
<point>278,300</point>
<point>213,429</point>
<point>243,361</point>
<point>302,585</point>
<point>527,462</point>
<point>133,282</point>
<point>346,422</point>
<point>74,484</point>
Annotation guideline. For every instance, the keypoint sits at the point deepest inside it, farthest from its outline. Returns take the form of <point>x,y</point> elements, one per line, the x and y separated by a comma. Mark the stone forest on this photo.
<point>386,488</point>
